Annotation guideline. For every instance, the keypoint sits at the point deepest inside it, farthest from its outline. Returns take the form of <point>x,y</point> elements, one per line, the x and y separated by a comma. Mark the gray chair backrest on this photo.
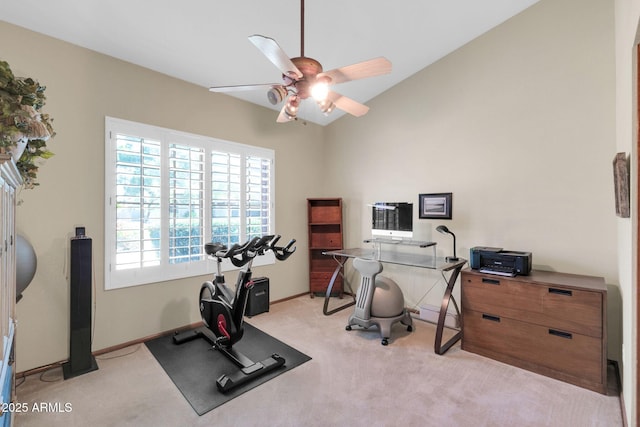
<point>368,270</point>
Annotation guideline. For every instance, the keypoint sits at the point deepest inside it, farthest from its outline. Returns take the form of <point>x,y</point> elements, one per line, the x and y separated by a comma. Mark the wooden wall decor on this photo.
<point>621,184</point>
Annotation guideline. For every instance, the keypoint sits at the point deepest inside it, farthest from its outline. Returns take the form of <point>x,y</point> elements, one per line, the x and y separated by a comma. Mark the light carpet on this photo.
<point>351,380</point>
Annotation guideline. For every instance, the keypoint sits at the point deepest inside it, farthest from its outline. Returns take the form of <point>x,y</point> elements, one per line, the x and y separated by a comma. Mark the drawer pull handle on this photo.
<point>564,292</point>
<point>490,281</point>
<point>560,334</point>
<point>490,317</point>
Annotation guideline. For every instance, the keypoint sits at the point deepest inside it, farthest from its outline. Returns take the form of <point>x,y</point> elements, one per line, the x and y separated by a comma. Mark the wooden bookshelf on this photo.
<point>325,234</point>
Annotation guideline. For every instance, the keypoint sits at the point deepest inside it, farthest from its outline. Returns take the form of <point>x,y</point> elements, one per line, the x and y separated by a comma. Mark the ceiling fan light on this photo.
<point>326,107</point>
<point>276,94</point>
<point>320,90</point>
<point>291,109</point>
<point>289,115</point>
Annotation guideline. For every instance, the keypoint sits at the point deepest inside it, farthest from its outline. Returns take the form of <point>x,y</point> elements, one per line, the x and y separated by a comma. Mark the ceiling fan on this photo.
<point>303,77</point>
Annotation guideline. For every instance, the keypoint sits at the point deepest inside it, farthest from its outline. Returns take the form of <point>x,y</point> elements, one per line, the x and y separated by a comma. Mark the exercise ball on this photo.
<point>26,263</point>
<point>388,300</point>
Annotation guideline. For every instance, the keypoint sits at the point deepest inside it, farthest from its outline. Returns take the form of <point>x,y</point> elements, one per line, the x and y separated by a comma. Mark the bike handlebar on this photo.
<point>254,247</point>
<point>282,252</point>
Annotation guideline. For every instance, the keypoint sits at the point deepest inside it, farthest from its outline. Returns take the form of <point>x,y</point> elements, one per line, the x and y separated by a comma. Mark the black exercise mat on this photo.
<point>194,366</point>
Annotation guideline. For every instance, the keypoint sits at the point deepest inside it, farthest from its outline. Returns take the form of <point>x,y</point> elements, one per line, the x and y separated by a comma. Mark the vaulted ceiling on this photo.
<point>205,41</point>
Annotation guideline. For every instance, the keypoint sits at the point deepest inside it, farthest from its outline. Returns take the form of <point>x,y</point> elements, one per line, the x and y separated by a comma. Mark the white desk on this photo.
<point>341,256</point>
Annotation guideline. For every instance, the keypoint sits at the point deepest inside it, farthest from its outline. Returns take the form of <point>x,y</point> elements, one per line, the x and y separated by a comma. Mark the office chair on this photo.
<point>379,301</point>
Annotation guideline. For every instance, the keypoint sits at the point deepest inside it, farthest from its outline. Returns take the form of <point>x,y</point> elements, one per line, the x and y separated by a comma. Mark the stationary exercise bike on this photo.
<point>223,310</point>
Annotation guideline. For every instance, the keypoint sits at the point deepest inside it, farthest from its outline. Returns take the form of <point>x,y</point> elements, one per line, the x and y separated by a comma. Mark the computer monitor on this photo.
<point>392,220</point>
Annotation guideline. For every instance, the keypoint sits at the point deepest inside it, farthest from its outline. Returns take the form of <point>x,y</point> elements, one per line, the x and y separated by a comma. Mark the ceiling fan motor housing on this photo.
<point>309,68</point>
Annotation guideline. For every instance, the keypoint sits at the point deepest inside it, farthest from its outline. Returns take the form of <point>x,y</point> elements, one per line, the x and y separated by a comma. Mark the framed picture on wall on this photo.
<point>435,206</point>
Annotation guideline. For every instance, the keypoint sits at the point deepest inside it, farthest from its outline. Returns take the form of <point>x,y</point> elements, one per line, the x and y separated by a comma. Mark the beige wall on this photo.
<point>627,14</point>
<point>518,124</point>
<point>82,88</point>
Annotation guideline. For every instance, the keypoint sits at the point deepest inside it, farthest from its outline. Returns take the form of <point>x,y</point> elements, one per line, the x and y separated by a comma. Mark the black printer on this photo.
<point>499,261</point>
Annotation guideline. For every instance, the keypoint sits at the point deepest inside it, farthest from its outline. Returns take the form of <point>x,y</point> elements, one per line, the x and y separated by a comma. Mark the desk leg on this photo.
<point>439,347</point>
<point>341,262</point>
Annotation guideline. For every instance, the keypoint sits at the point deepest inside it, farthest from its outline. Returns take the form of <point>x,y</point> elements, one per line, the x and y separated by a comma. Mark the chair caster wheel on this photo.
<point>347,328</point>
<point>409,328</point>
<point>385,341</point>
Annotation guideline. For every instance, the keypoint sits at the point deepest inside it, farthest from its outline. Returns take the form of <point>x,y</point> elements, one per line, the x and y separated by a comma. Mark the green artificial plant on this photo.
<point>22,121</point>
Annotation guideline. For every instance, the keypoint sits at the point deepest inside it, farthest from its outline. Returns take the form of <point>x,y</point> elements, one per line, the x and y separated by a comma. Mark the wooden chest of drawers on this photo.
<point>550,323</point>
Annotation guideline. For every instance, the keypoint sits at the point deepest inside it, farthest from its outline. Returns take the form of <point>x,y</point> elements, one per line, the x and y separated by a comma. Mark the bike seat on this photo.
<point>213,247</point>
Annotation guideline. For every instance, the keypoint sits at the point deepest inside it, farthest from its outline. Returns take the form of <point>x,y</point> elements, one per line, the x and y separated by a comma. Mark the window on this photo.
<point>167,193</point>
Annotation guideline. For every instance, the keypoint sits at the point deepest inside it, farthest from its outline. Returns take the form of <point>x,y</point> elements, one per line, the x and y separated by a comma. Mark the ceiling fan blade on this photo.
<point>270,48</point>
<point>347,104</point>
<point>238,88</point>
<point>361,70</point>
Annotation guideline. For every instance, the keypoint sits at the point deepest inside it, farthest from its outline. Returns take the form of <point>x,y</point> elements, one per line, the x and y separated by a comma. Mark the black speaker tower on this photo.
<point>81,360</point>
